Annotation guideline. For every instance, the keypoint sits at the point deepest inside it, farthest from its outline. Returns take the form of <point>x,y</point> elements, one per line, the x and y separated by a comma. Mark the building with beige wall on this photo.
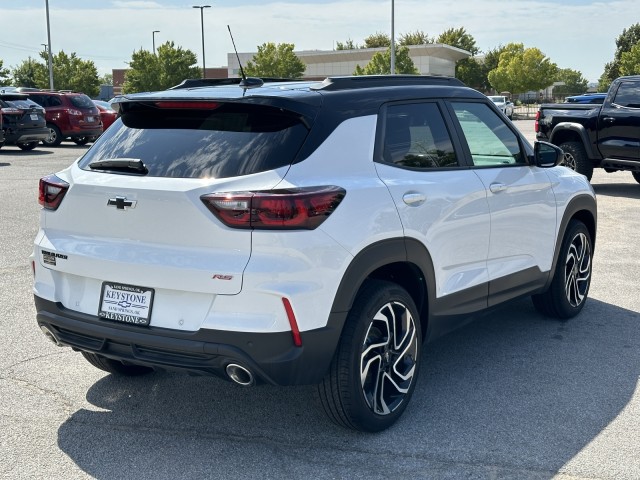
<point>431,59</point>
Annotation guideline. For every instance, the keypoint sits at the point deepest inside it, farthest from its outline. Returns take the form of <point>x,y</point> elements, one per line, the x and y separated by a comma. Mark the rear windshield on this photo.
<point>227,141</point>
<point>81,101</point>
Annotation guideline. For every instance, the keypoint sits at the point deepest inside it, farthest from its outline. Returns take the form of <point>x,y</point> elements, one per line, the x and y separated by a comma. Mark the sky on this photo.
<point>576,34</point>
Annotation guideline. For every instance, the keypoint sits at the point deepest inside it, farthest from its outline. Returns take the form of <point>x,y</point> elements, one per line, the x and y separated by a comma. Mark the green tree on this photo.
<point>4,73</point>
<point>72,73</point>
<point>574,83</point>
<point>277,61</point>
<point>348,45</point>
<point>415,38</point>
<point>106,79</point>
<point>468,70</point>
<point>521,70</point>
<point>472,73</point>
<point>377,40</point>
<point>169,67</point>
<point>30,73</point>
<point>624,43</point>
<point>380,63</point>
<point>458,37</point>
<point>630,61</point>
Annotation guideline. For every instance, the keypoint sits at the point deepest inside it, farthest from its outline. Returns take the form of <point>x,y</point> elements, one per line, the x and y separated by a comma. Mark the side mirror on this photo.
<point>546,155</point>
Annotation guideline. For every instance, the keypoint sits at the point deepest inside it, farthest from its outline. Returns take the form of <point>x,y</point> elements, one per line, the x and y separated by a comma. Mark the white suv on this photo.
<point>305,232</point>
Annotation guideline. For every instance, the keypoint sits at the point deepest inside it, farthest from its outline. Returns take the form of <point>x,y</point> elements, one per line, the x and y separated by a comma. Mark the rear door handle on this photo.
<point>497,187</point>
<point>608,119</point>
<point>414,199</point>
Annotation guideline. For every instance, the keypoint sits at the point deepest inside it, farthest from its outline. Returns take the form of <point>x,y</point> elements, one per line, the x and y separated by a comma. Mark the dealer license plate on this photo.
<point>90,119</point>
<point>34,116</point>
<point>126,303</point>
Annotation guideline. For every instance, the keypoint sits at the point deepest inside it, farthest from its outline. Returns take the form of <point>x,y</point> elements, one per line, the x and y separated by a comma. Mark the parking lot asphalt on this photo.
<point>512,395</point>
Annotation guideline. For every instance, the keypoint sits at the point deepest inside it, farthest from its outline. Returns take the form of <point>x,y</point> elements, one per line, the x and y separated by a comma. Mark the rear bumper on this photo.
<point>77,132</point>
<point>271,357</point>
<point>27,135</point>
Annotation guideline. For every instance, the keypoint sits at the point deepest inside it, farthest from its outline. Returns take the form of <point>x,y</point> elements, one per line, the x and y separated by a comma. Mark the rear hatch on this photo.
<point>83,112</point>
<point>133,216</point>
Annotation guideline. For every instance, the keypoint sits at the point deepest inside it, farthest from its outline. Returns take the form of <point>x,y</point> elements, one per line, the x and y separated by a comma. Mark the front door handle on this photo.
<point>497,187</point>
<point>608,119</point>
<point>414,199</point>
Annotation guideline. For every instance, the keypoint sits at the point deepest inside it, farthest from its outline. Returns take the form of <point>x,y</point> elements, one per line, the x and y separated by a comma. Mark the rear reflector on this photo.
<point>293,209</point>
<point>51,191</point>
<point>295,332</point>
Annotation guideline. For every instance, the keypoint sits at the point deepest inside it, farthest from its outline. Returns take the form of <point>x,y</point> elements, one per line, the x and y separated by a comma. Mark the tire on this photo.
<point>576,159</point>
<point>55,137</point>
<point>636,176</point>
<point>114,366</point>
<point>372,376</point>
<point>569,288</point>
<point>81,140</point>
<point>27,146</point>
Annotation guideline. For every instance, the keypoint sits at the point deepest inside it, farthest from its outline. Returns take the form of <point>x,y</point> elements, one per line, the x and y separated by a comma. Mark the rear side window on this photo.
<point>225,141</point>
<point>81,101</point>
<point>417,137</point>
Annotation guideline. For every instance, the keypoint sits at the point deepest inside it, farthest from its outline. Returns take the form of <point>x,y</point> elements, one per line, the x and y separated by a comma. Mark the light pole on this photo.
<point>153,35</point>
<point>393,42</point>
<point>202,7</point>
<point>49,49</point>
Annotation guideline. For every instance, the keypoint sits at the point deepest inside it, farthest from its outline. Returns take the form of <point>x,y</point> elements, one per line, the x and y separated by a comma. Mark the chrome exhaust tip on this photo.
<point>240,375</point>
<point>50,335</point>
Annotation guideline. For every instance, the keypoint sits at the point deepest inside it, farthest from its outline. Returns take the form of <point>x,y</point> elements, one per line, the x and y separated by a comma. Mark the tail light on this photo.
<point>51,192</point>
<point>291,209</point>
<point>11,111</point>
<point>536,125</point>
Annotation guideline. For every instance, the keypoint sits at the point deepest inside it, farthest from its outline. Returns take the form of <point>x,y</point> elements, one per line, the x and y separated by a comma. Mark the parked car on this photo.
<point>504,104</point>
<point>592,136</point>
<point>23,121</point>
<point>305,232</point>
<point>69,115</point>
<point>107,114</point>
<point>597,98</point>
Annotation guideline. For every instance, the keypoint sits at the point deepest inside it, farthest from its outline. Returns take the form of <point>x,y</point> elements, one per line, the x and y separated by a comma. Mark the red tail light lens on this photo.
<point>11,111</point>
<point>51,192</point>
<point>536,125</point>
<point>294,209</point>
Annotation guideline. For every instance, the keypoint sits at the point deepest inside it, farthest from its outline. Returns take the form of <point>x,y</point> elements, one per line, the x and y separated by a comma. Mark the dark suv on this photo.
<point>23,121</point>
<point>69,115</point>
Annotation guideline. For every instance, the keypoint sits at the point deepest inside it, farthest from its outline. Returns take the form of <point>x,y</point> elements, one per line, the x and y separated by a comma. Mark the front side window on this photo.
<point>417,137</point>
<point>491,142</point>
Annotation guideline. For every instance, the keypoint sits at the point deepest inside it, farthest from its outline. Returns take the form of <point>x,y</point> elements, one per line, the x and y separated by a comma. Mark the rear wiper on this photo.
<point>127,164</point>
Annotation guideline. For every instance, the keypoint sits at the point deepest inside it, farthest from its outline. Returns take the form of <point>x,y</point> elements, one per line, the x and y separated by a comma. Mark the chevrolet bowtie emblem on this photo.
<point>121,203</point>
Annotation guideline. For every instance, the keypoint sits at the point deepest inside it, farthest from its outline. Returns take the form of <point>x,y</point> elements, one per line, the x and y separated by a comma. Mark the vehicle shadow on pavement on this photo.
<point>513,395</point>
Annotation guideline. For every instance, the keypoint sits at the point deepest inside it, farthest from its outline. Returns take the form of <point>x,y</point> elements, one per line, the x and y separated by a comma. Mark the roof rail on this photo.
<point>370,81</point>
<point>214,82</point>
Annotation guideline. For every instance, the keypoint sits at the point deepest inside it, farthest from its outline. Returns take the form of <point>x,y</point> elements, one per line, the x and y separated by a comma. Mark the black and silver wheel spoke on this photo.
<point>578,270</point>
<point>568,161</point>
<point>388,358</point>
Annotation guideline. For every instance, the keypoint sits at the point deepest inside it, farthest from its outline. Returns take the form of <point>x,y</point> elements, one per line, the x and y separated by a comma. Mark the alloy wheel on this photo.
<point>389,357</point>
<point>578,269</point>
<point>569,161</point>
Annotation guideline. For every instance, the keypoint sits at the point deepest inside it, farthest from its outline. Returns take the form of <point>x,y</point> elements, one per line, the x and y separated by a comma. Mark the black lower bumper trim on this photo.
<point>271,357</point>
